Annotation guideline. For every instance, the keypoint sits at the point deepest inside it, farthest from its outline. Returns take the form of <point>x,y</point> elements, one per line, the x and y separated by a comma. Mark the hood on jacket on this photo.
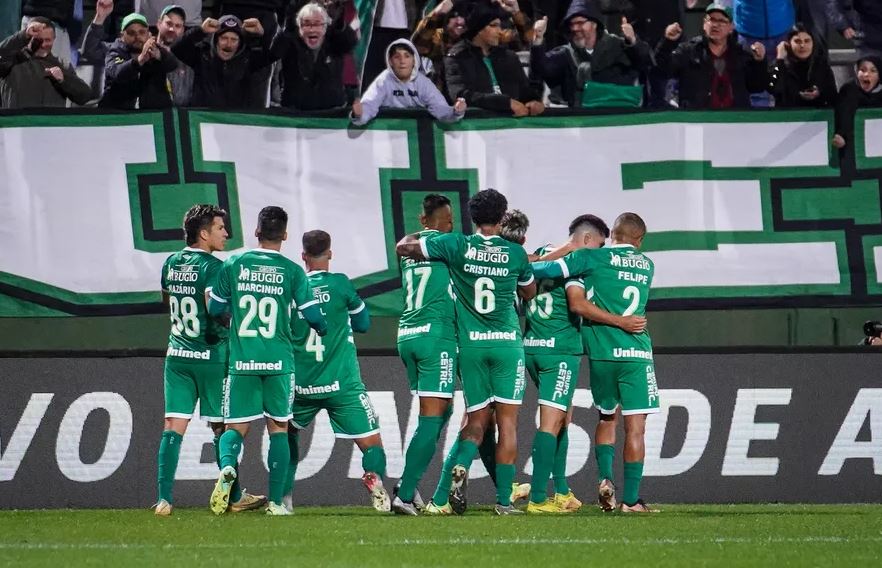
<point>417,62</point>
<point>587,9</point>
<point>229,23</point>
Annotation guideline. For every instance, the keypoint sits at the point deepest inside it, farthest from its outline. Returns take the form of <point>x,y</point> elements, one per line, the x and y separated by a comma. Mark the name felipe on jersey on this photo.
<point>318,389</point>
<point>632,352</point>
<point>407,331</point>
<point>536,342</point>
<point>258,365</point>
<point>493,335</point>
<point>187,353</point>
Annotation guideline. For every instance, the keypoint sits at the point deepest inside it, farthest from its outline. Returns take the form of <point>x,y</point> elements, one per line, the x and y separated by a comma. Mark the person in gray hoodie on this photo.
<point>402,85</point>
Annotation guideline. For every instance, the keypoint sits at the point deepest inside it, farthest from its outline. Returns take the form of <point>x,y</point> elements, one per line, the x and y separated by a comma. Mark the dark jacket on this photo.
<point>218,83</point>
<point>24,81</point>
<point>59,11</point>
<point>126,81</point>
<point>692,64</point>
<point>851,98</point>
<point>613,61</point>
<point>313,80</point>
<point>788,77</point>
<point>469,78</point>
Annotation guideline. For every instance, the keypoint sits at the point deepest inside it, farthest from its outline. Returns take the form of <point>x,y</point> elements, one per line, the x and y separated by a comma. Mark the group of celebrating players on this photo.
<point>257,336</point>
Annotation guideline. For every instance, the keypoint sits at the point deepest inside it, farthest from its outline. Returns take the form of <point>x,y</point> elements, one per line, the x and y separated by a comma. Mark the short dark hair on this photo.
<point>589,221</point>
<point>487,207</point>
<point>272,223</point>
<point>43,20</point>
<point>316,243</point>
<point>514,226</point>
<point>199,217</point>
<point>629,226</point>
<point>434,202</point>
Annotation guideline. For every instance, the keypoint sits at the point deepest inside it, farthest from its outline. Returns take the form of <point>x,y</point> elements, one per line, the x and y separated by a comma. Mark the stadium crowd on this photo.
<point>444,56</point>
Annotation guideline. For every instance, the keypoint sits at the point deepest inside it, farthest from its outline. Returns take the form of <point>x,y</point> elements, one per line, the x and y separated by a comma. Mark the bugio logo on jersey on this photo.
<point>490,253</point>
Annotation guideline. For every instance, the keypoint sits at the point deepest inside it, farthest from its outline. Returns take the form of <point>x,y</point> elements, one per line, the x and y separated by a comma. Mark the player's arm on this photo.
<point>410,247</point>
<point>527,283</point>
<point>579,305</point>
<point>164,298</point>
<point>359,316</point>
<point>306,303</point>
<point>545,269</point>
<point>219,294</point>
<point>557,253</point>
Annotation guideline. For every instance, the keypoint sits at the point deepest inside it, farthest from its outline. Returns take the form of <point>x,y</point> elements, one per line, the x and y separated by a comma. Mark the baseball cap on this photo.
<point>173,8</point>
<point>725,10</point>
<point>133,18</point>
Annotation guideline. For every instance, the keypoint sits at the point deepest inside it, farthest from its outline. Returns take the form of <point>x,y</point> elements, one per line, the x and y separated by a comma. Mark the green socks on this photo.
<point>505,474</point>
<point>236,491</point>
<point>443,489</point>
<point>167,461</point>
<point>487,450</point>
<point>544,447</point>
<point>467,452</point>
<point>604,454</point>
<point>559,471</point>
<point>373,460</point>
<point>419,454</point>
<point>230,446</point>
<point>633,476</point>
<point>294,454</point>
<point>278,460</point>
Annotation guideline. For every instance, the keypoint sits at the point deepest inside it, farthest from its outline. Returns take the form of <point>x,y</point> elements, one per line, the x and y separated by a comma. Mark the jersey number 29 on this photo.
<point>266,310</point>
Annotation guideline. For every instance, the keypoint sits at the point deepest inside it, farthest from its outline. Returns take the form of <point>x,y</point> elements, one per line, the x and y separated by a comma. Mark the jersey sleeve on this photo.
<point>525,276</point>
<point>163,282</point>
<point>301,290</point>
<point>577,264</point>
<point>212,274</point>
<point>220,286</point>
<point>440,247</point>
<point>575,282</point>
<point>354,303</point>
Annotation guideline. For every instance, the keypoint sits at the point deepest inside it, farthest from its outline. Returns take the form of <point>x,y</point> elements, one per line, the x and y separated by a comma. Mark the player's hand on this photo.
<point>540,26</point>
<point>459,107</point>
<point>849,33</point>
<point>628,32</point>
<point>252,26</point>
<point>56,73</point>
<point>673,32</point>
<point>758,51</point>
<point>357,108</point>
<point>103,8</point>
<point>838,141</point>
<point>633,324</point>
<point>782,50</point>
<point>535,107</point>
<point>210,25</point>
<point>519,109</point>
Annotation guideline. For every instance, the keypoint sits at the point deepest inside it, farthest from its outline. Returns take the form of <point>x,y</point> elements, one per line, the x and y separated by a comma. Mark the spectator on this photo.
<point>394,19</point>
<point>224,67</point>
<point>443,27</point>
<point>801,75</point>
<point>868,38</point>
<point>312,50</point>
<point>554,10</point>
<point>170,28</point>
<point>864,91</point>
<point>842,17</point>
<point>154,10</point>
<point>764,21</point>
<point>94,48</point>
<point>713,70</point>
<point>486,75</point>
<point>402,85</point>
<point>61,13</point>
<point>592,56</point>
<point>31,76</point>
<point>135,69</point>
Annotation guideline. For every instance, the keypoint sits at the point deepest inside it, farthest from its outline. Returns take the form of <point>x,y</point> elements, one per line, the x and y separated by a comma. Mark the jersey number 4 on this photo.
<point>266,310</point>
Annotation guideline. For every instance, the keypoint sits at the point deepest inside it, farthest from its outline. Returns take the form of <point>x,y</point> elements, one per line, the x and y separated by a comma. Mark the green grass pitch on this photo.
<point>681,535</point>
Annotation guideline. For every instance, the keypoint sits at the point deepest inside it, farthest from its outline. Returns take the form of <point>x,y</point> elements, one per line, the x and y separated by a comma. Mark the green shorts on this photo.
<point>555,375</point>
<point>630,384</point>
<point>492,375</point>
<point>186,382</point>
<point>351,412</point>
<point>249,397</point>
<point>431,366</point>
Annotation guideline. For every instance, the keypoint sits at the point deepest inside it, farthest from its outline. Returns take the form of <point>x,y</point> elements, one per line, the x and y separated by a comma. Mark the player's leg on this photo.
<point>604,389</point>
<point>431,371</point>
<point>242,404</point>
<point>563,495</point>
<point>440,499</point>
<point>353,417</point>
<point>303,412</point>
<point>277,398</point>
<point>508,383</point>
<point>639,397</point>
<point>487,449</point>
<point>180,401</point>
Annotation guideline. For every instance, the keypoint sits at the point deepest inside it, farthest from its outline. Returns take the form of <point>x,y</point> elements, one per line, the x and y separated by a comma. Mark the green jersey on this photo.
<point>428,299</point>
<point>621,277</point>
<point>261,288</point>
<point>550,326</point>
<point>186,277</point>
<point>328,365</point>
<point>485,271</point>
